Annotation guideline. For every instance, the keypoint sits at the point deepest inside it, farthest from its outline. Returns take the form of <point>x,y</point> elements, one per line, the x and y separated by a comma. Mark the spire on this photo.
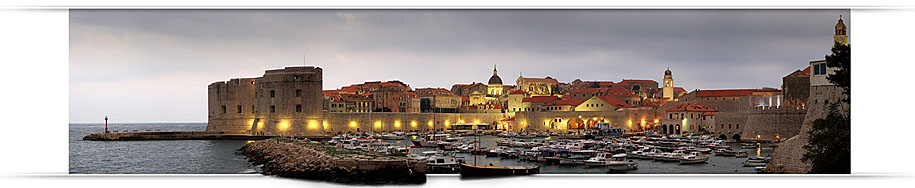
<point>494,72</point>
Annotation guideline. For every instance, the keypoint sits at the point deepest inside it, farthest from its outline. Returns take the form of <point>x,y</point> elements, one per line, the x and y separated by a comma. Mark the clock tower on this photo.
<point>840,36</point>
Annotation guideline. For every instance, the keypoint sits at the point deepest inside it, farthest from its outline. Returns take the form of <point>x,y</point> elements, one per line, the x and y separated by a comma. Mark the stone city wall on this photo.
<point>787,157</point>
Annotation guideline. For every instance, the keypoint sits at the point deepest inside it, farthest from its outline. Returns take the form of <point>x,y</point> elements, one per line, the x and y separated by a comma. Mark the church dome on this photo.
<point>667,72</point>
<point>495,80</point>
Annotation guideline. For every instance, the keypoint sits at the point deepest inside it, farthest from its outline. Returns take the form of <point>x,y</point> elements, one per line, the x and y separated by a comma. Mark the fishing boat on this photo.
<point>483,170</point>
<point>619,162</point>
<point>600,160</point>
<point>694,157</point>
<point>442,164</point>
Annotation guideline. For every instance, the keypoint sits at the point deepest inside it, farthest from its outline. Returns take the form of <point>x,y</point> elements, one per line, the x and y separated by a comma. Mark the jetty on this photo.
<point>306,159</point>
<point>192,135</point>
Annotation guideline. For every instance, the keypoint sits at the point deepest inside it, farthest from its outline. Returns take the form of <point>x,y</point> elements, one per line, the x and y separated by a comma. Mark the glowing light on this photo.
<point>284,124</point>
<point>413,124</point>
<point>655,120</point>
<point>312,124</point>
<point>352,124</point>
<point>757,137</point>
<point>378,124</point>
<point>476,121</point>
<point>430,123</point>
<point>260,125</point>
<point>776,137</point>
<point>629,123</point>
<point>396,124</point>
<point>459,121</point>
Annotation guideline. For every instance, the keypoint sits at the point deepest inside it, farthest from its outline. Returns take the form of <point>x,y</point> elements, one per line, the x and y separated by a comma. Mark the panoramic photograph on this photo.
<point>389,96</point>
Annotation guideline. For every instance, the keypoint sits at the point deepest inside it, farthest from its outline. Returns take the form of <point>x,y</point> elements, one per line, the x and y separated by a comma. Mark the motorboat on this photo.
<point>741,154</point>
<point>724,152</point>
<point>674,156</point>
<point>483,170</point>
<point>619,162</point>
<point>422,142</point>
<point>600,160</point>
<point>693,157</point>
<point>443,164</point>
<point>393,136</point>
<point>759,160</point>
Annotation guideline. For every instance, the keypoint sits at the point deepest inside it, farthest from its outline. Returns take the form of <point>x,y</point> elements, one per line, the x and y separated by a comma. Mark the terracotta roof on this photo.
<point>540,99</point>
<point>708,114</point>
<point>639,81</point>
<point>564,102</point>
<point>691,108</point>
<point>508,119</point>
<point>614,101</point>
<point>679,89</point>
<point>547,79</point>
<point>619,92</point>
<point>806,70</point>
<point>588,90</point>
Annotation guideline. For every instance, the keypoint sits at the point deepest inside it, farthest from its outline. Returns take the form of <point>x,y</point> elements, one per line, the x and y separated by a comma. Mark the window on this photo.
<point>298,108</point>
<point>223,109</point>
<point>298,93</point>
<point>272,93</point>
<point>272,109</point>
<point>729,126</point>
<point>239,109</point>
<point>738,126</point>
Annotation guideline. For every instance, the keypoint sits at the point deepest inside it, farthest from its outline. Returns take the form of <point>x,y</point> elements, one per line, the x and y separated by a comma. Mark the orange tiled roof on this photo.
<point>639,81</point>
<point>547,80</point>
<point>731,92</point>
<point>614,101</point>
<point>807,70</point>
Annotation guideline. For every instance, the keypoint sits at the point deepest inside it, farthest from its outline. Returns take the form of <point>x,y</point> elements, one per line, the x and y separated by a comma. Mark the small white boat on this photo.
<point>619,162</point>
<point>599,160</point>
<point>393,136</point>
<point>693,157</point>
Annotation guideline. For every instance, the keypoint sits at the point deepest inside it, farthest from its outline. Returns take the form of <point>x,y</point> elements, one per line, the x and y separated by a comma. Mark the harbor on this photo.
<point>562,154</point>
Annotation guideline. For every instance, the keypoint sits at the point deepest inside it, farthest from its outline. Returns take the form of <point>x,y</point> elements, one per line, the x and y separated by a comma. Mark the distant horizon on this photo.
<point>154,65</point>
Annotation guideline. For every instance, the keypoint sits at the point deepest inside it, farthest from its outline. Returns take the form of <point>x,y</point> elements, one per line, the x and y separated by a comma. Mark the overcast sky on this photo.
<point>155,65</point>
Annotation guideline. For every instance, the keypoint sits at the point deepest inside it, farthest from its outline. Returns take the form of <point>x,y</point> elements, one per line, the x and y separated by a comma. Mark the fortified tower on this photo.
<point>283,102</point>
<point>668,89</point>
<point>495,83</point>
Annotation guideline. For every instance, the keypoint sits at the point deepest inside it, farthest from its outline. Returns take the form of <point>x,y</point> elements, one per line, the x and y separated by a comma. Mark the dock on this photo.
<point>195,135</point>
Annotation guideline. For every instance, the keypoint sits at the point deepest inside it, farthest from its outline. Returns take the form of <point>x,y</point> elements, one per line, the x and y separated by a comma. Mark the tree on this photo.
<point>841,60</point>
<point>829,144</point>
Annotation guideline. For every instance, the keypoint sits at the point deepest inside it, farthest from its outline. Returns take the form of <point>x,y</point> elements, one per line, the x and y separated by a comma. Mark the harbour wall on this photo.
<point>787,156</point>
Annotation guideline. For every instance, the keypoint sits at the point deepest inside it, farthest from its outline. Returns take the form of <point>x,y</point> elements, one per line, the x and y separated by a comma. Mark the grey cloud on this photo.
<point>435,48</point>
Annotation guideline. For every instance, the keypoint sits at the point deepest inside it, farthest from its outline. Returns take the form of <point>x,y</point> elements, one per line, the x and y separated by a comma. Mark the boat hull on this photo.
<point>480,170</point>
<point>622,166</point>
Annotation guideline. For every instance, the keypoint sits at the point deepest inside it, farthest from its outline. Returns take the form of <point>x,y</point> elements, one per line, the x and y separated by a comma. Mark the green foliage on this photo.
<point>840,59</point>
<point>829,145</point>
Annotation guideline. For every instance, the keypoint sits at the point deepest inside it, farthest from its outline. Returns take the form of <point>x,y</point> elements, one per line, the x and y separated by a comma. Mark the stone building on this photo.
<point>687,119</point>
<point>602,103</point>
<point>438,100</point>
<point>796,88</point>
<point>467,89</point>
<point>537,86</point>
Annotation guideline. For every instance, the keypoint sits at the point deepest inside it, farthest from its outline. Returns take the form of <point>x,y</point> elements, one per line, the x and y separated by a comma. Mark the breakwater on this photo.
<point>192,135</point>
<point>304,159</point>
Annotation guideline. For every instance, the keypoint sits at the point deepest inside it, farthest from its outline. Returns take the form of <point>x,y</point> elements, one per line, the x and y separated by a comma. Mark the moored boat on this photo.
<point>693,157</point>
<point>482,170</point>
<point>619,162</point>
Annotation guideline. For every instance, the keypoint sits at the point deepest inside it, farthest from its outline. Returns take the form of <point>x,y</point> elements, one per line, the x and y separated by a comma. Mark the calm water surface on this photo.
<point>218,156</point>
<point>153,157</point>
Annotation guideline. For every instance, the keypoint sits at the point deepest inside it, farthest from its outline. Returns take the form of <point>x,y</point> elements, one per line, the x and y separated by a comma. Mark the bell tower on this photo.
<point>840,36</point>
<point>668,89</point>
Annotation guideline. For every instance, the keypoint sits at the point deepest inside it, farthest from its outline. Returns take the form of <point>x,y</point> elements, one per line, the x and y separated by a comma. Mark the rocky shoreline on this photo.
<point>304,159</point>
